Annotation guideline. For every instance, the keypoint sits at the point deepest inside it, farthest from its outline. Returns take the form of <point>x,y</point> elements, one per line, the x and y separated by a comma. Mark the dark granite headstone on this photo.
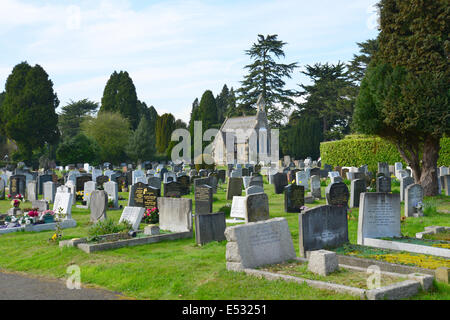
<point>357,187</point>
<point>150,197</point>
<point>136,195</point>
<point>279,181</point>
<point>80,182</point>
<point>337,194</point>
<point>383,183</point>
<point>294,198</point>
<point>234,188</point>
<point>210,227</point>
<point>41,180</point>
<point>203,199</point>
<point>322,227</point>
<point>101,180</point>
<point>17,185</point>
<point>172,189</point>
<point>185,183</point>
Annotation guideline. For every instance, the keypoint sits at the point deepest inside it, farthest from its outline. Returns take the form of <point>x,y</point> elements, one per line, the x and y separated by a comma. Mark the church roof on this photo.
<point>245,122</point>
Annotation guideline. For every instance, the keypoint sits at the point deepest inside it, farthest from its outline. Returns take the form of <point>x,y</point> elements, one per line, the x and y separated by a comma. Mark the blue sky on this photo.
<point>173,50</point>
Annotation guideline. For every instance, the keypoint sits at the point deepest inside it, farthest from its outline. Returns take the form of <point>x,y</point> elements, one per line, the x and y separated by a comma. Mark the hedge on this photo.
<point>357,150</point>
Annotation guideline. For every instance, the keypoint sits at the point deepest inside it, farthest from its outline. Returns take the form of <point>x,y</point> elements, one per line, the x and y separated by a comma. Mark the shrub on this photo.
<point>107,226</point>
<point>356,150</point>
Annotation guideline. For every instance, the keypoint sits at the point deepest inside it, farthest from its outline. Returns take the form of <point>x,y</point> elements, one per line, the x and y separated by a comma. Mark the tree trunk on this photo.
<point>429,174</point>
<point>409,153</point>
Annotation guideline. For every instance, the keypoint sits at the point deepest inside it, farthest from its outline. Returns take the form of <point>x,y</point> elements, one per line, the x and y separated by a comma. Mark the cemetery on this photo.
<point>304,180</point>
<point>289,232</point>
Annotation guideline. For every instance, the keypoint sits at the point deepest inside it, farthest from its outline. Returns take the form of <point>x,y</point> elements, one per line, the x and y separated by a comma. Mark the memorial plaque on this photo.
<point>238,208</point>
<point>294,198</point>
<point>136,193</point>
<point>379,216</point>
<point>337,194</point>
<point>203,199</point>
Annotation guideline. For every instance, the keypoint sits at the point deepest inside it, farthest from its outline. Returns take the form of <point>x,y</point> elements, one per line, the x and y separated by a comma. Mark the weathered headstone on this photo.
<point>357,186</point>
<point>89,187</point>
<point>112,190</point>
<point>234,187</point>
<point>379,216</point>
<point>41,180</point>
<point>32,190</point>
<point>383,184</point>
<point>253,190</point>
<point>49,191</point>
<point>406,181</point>
<point>154,182</point>
<point>316,191</point>
<point>17,185</point>
<point>132,215</point>
<point>63,200</point>
<point>257,207</point>
<point>101,180</point>
<point>301,179</point>
<point>279,181</point>
<point>175,214</point>
<point>185,183</point>
<point>203,199</point>
<point>172,189</point>
<point>2,188</point>
<point>337,194</point>
<point>413,196</point>
<point>383,167</point>
<point>294,198</point>
<point>256,244</point>
<point>98,205</point>
<point>322,227</point>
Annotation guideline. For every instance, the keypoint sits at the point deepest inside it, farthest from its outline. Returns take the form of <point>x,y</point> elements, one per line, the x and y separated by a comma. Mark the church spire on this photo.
<point>261,104</point>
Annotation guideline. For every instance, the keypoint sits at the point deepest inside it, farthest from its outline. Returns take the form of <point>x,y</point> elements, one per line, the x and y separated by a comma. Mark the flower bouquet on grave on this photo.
<point>25,219</point>
<point>34,215</point>
<point>10,222</point>
<point>79,195</point>
<point>110,202</point>
<point>48,216</point>
<point>151,216</point>
<point>16,203</point>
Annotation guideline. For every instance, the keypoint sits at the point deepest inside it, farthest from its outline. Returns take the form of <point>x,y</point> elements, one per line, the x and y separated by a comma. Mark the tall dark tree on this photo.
<point>265,76</point>
<point>28,109</point>
<point>301,138</point>
<point>222,101</point>
<point>208,110</point>
<point>78,149</point>
<point>73,114</point>
<point>164,128</point>
<point>405,94</point>
<point>330,85</point>
<point>120,96</point>
<point>141,145</point>
<point>360,62</point>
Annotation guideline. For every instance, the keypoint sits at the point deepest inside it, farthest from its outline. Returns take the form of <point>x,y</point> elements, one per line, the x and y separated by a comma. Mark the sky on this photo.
<point>173,50</point>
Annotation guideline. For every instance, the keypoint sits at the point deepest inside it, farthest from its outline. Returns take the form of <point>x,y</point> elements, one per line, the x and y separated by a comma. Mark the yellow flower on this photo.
<point>54,237</point>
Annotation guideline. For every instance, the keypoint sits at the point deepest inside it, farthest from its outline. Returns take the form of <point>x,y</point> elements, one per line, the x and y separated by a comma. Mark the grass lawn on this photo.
<point>180,269</point>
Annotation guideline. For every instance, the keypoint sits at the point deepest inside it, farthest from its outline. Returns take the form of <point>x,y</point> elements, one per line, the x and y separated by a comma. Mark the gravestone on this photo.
<point>172,190</point>
<point>257,207</point>
<point>63,200</point>
<point>245,172</point>
<point>49,191</point>
<point>185,183</point>
<point>316,192</point>
<point>80,182</point>
<point>383,184</point>
<point>383,167</point>
<point>154,182</point>
<point>101,180</point>
<point>256,180</point>
<point>203,199</point>
<point>337,194</point>
<point>221,175</point>
<point>234,187</point>
<point>175,214</point>
<point>406,181</point>
<point>279,182</point>
<point>397,167</point>
<point>32,190</point>
<point>150,197</point>
<point>209,227</point>
<point>132,215</point>
<point>355,175</point>
<point>2,189</point>
<point>413,196</point>
<point>169,177</point>
<point>89,187</point>
<point>256,244</point>
<point>135,198</point>
<point>98,205</point>
<point>322,227</point>
<point>17,185</point>
<point>301,179</point>
<point>40,205</point>
<point>246,181</point>
<point>238,208</point>
<point>41,180</point>
<point>314,172</point>
<point>447,185</point>
<point>112,190</point>
<point>253,190</point>
<point>294,198</point>
<point>379,216</point>
<point>357,186</point>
